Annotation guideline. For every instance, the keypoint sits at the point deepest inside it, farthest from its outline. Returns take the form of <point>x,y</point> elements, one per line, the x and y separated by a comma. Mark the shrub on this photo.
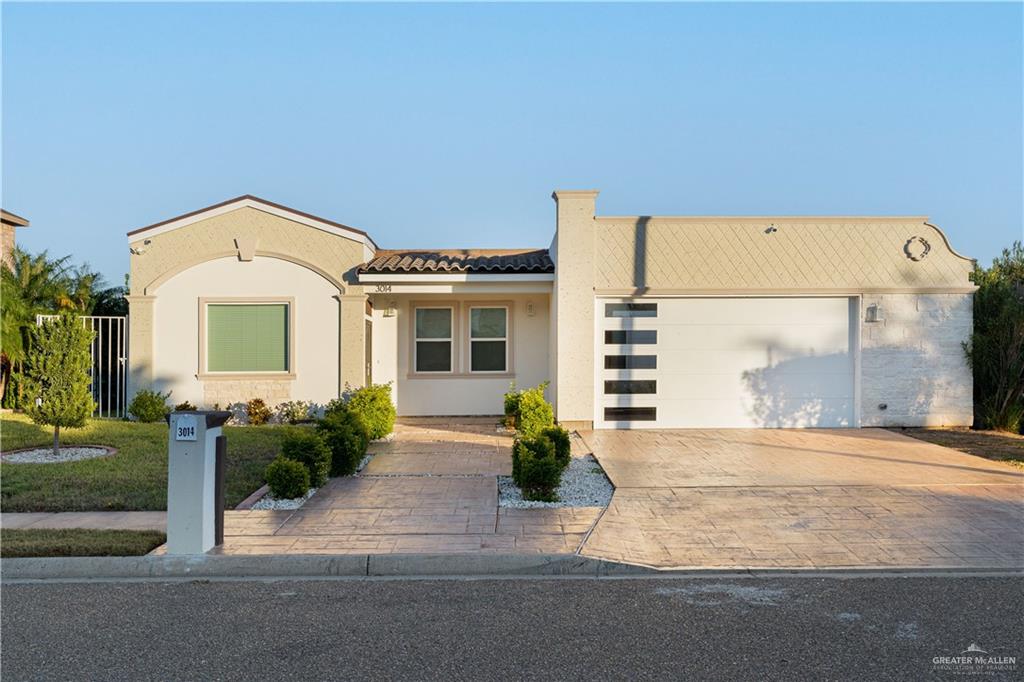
<point>257,412</point>
<point>293,411</point>
<point>57,375</point>
<point>373,404</point>
<point>149,406</point>
<point>306,446</point>
<point>535,413</point>
<point>996,348</point>
<point>535,468</point>
<point>185,407</point>
<point>512,397</point>
<point>346,436</point>
<point>287,478</point>
<point>559,437</point>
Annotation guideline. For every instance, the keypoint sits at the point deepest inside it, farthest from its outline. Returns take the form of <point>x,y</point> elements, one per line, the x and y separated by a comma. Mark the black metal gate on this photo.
<point>109,353</point>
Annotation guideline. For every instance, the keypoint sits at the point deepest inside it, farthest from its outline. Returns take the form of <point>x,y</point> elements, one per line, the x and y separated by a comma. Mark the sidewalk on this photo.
<point>126,520</point>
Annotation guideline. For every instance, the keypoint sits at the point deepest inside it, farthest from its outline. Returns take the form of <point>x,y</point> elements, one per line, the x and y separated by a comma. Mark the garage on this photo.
<point>726,362</point>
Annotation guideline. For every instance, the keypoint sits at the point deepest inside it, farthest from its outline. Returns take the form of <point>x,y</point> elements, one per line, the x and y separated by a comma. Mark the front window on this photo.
<point>488,339</point>
<point>433,339</point>
<point>247,337</point>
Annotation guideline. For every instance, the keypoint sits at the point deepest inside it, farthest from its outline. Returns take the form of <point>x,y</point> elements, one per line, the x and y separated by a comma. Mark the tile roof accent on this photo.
<point>493,261</point>
<point>8,218</point>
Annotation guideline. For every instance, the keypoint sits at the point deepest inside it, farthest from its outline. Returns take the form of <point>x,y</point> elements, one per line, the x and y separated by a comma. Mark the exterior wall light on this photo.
<point>873,313</point>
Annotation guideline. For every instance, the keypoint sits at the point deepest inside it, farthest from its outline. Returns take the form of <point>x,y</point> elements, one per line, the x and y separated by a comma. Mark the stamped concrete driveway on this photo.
<point>804,498</point>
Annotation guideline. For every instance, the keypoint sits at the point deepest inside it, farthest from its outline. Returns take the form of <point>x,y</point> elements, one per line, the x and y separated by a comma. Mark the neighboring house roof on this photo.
<point>503,261</point>
<point>255,202</point>
<point>8,218</point>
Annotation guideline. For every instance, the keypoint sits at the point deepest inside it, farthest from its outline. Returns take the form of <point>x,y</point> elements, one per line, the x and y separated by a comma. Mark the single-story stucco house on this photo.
<point>636,321</point>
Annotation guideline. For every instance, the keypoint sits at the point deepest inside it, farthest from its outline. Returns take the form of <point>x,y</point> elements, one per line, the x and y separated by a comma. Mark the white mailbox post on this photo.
<point>191,481</point>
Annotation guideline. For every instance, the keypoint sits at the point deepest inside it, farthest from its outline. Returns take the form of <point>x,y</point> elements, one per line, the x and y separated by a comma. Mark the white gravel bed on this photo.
<point>363,462</point>
<point>386,439</point>
<point>268,501</point>
<point>583,485</point>
<point>46,456</point>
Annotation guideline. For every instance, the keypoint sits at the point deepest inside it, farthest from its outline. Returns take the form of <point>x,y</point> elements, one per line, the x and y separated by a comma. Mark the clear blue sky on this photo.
<point>450,125</point>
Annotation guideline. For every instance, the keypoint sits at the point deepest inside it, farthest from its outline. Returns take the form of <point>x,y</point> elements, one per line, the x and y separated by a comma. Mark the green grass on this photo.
<point>29,542</point>
<point>135,479</point>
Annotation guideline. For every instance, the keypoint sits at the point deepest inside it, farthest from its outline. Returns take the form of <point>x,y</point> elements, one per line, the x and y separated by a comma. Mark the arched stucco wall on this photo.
<point>176,334</point>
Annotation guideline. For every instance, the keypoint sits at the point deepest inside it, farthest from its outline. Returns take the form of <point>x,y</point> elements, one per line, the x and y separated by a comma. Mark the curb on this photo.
<point>413,565</point>
<point>311,566</point>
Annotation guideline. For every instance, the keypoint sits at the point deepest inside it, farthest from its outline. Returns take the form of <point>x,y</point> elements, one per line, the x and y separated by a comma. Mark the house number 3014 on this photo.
<point>185,428</point>
<point>382,289</point>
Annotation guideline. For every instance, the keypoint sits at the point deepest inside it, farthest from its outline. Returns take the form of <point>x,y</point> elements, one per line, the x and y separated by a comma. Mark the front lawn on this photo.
<point>29,542</point>
<point>135,479</point>
<point>994,445</point>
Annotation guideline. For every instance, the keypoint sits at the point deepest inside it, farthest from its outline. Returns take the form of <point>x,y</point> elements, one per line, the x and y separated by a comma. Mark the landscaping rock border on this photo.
<point>66,453</point>
<point>584,484</point>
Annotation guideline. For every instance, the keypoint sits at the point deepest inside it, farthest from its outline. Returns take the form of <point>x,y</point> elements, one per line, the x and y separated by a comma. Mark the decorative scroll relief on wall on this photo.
<point>917,248</point>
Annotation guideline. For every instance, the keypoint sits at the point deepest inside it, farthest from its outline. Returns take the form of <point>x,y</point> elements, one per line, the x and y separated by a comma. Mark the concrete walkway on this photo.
<point>125,520</point>
<point>432,489</point>
<point>858,498</point>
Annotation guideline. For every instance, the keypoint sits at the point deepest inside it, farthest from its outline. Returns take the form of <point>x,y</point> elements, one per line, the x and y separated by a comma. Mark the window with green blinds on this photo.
<point>247,337</point>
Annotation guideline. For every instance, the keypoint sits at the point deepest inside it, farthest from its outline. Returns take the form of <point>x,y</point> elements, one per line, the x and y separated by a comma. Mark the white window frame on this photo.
<point>416,341</point>
<point>504,339</point>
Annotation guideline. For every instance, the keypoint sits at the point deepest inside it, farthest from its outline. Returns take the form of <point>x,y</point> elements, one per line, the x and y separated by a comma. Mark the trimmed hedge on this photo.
<point>149,406</point>
<point>511,401</point>
<point>559,437</point>
<point>373,404</point>
<point>287,478</point>
<point>535,413</point>
<point>346,436</point>
<point>308,448</point>
<point>536,469</point>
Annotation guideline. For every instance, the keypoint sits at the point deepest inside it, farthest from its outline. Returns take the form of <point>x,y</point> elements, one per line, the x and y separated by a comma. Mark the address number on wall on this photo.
<point>382,289</point>
<point>185,428</point>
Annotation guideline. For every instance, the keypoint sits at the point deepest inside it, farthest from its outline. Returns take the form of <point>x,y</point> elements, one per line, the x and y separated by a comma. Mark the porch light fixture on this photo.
<point>873,314</point>
<point>391,310</point>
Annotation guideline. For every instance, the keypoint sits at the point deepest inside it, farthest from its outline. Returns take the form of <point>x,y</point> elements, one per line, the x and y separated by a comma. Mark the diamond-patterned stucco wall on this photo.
<point>854,254</point>
<point>171,251</point>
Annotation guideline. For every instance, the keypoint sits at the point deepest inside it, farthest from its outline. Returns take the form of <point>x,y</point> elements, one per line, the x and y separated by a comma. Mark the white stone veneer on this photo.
<point>913,360</point>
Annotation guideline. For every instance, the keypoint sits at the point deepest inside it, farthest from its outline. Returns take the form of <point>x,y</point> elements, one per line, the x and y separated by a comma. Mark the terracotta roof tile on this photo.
<point>515,261</point>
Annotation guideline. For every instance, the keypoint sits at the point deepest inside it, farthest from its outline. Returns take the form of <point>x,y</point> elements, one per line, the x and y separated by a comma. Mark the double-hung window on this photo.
<point>433,340</point>
<point>488,339</point>
<point>247,337</point>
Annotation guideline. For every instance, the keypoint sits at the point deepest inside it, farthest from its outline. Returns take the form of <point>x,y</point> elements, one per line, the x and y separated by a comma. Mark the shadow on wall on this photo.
<point>778,393</point>
<point>640,256</point>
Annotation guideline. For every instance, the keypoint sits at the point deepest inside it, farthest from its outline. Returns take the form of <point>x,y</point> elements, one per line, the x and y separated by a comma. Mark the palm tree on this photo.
<point>35,285</point>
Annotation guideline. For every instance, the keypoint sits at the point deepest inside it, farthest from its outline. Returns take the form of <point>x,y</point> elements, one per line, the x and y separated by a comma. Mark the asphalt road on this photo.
<point>552,629</point>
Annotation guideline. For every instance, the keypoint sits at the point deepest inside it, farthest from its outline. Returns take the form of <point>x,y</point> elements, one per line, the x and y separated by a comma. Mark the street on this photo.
<point>717,627</point>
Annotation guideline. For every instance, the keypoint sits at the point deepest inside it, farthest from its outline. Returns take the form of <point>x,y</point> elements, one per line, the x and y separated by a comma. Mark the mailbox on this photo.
<point>193,508</point>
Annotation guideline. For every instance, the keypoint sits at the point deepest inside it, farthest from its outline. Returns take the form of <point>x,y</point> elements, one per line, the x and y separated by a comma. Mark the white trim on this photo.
<point>497,289</point>
<point>455,277</point>
<point>503,339</point>
<point>416,340</point>
<point>259,206</point>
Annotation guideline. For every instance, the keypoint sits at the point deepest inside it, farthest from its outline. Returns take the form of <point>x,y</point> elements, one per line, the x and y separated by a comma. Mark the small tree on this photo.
<point>996,348</point>
<point>57,375</point>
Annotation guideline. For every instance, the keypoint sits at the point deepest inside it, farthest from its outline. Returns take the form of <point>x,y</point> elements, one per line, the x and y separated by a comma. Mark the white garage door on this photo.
<point>725,362</point>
